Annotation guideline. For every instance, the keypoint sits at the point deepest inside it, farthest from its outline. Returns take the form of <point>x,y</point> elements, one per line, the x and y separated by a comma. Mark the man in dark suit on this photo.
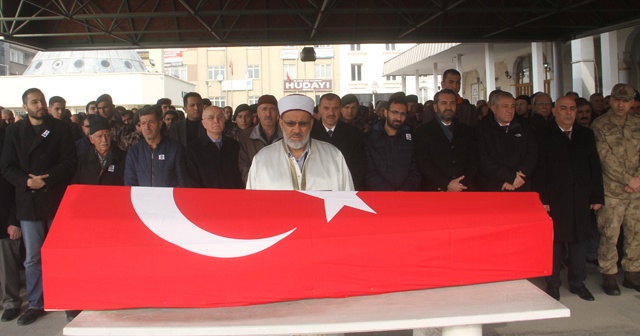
<point>445,148</point>
<point>212,159</point>
<point>347,138</point>
<point>508,151</point>
<point>187,130</point>
<point>10,235</point>
<point>569,181</point>
<point>39,160</point>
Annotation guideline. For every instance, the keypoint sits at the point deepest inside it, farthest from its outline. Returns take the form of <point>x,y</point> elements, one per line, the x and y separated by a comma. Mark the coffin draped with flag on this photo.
<point>100,253</point>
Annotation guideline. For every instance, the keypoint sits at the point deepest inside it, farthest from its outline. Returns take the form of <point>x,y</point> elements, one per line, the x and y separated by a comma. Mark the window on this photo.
<point>253,71</point>
<point>390,46</point>
<point>253,100</point>
<point>323,70</point>
<point>289,72</point>
<point>218,101</point>
<point>217,72</point>
<point>390,78</point>
<point>180,72</point>
<point>355,47</point>
<point>16,56</point>
<point>356,72</point>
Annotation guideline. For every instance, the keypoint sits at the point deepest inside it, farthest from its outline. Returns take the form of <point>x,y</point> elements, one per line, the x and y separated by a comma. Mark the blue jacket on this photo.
<point>391,163</point>
<point>161,167</point>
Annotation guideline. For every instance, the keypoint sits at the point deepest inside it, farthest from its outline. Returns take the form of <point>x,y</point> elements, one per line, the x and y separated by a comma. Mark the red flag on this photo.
<point>157,247</point>
<point>288,78</point>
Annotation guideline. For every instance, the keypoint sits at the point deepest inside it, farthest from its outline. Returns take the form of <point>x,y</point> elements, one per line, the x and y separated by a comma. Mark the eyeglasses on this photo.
<point>292,124</point>
<point>398,113</point>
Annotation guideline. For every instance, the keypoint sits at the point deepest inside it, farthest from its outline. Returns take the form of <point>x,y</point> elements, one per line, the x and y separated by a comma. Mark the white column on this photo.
<point>435,79</point>
<point>417,74</point>
<point>557,69</point>
<point>490,66</point>
<point>609,51</point>
<point>459,68</point>
<point>404,83</point>
<point>582,63</point>
<point>537,66</point>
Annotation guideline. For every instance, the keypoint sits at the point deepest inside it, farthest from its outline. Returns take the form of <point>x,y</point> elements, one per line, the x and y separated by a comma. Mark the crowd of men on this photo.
<point>581,156</point>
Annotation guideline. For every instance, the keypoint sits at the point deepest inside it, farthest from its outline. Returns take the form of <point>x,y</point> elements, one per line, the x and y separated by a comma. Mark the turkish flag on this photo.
<point>124,247</point>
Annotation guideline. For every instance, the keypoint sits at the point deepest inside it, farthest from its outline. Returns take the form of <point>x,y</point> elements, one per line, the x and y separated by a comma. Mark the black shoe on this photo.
<point>554,292</point>
<point>610,285</point>
<point>30,316</point>
<point>583,293</point>
<point>9,314</point>
<point>629,284</point>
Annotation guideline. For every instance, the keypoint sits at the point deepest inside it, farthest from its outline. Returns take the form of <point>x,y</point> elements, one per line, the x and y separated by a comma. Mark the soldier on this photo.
<point>617,133</point>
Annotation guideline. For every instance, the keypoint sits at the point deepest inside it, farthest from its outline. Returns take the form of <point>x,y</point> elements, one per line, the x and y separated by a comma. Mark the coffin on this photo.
<point>136,247</point>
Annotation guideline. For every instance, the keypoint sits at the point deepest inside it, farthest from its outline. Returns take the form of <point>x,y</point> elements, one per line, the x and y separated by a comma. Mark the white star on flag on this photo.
<point>336,200</point>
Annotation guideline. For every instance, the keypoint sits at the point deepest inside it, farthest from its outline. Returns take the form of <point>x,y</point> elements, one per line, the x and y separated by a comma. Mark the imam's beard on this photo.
<point>297,144</point>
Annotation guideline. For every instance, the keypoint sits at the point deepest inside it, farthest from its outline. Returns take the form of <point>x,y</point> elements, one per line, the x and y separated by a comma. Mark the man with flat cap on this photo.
<point>618,142</point>
<point>241,121</point>
<point>349,111</point>
<point>264,133</point>
<point>297,162</point>
<point>103,162</point>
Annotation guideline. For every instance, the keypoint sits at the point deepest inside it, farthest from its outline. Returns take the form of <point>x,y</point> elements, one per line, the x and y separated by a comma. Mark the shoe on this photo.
<point>583,293</point>
<point>632,280</point>
<point>610,284</point>
<point>9,314</point>
<point>594,262</point>
<point>30,316</point>
<point>554,292</point>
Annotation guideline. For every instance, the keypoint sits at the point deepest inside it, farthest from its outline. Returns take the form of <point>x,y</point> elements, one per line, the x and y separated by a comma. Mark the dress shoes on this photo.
<point>582,292</point>
<point>554,292</point>
<point>632,280</point>
<point>610,284</point>
<point>9,314</point>
<point>30,316</point>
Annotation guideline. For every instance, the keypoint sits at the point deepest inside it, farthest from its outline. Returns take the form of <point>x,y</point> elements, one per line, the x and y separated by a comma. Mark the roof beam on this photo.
<point>450,7</point>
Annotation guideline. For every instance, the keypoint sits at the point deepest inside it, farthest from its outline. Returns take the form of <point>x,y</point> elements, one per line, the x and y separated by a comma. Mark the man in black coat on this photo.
<point>446,151</point>
<point>391,163</point>
<point>508,151</point>
<point>39,160</point>
<point>212,159</point>
<point>189,129</point>
<point>103,163</point>
<point>347,138</point>
<point>569,181</point>
<point>10,234</point>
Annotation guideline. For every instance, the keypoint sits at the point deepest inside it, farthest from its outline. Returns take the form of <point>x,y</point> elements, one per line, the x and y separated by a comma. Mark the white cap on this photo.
<point>295,102</point>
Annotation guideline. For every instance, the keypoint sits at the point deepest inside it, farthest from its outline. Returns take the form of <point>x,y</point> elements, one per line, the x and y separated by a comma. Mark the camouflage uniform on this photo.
<point>619,148</point>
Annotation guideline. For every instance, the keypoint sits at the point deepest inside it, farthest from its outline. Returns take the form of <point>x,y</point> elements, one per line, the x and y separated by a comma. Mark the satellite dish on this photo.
<point>220,77</point>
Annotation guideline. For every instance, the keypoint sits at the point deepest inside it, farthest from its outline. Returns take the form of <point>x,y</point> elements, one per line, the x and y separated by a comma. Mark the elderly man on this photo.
<point>296,162</point>
<point>541,108</point>
<point>390,155</point>
<point>158,160</point>
<point>446,151</point>
<point>212,159</point>
<point>103,163</point>
<point>569,181</point>
<point>266,132</point>
<point>617,133</point>
<point>347,138</point>
<point>187,130</point>
<point>39,160</point>
<point>8,117</point>
<point>508,151</point>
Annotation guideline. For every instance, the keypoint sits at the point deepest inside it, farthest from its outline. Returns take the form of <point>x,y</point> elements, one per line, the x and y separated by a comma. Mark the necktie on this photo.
<point>219,144</point>
<point>330,132</point>
<point>506,128</point>
<point>568,134</point>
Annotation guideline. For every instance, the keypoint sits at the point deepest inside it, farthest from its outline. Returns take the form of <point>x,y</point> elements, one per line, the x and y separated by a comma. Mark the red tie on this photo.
<point>568,134</point>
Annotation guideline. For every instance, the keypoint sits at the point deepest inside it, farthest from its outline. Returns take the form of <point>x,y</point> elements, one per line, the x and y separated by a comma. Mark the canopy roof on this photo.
<point>132,24</point>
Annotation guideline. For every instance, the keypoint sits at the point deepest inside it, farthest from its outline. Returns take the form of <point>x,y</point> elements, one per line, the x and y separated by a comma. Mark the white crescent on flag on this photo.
<point>157,209</point>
